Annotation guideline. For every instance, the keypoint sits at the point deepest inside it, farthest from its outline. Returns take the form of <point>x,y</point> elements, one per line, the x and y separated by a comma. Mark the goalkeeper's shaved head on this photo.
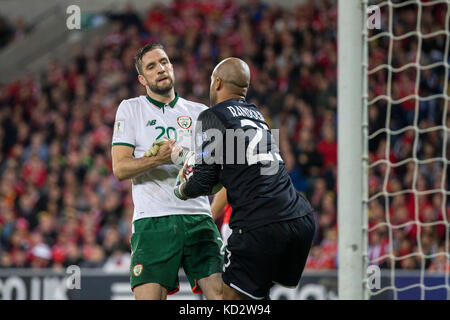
<point>230,79</point>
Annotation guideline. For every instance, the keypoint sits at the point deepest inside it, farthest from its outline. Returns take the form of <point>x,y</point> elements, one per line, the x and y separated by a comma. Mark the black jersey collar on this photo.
<point>162,105</point>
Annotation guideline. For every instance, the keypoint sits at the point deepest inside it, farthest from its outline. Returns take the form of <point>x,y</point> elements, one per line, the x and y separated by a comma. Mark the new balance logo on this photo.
<point>151,123</point>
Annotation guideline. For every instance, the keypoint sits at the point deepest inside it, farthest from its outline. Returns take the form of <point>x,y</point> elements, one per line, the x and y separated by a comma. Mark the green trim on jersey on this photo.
<point>160,104</point>
<point>124,144</point>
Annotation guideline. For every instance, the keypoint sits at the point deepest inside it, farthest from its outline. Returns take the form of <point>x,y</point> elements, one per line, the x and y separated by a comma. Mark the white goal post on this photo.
<point>355,163</point>
<point>352,239</point>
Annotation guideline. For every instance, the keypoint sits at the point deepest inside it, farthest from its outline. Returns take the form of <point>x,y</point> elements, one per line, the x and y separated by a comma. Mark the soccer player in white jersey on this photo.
<point>167,232</point>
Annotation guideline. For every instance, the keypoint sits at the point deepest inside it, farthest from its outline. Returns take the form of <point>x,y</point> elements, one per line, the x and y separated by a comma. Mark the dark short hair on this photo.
<point>148,47</point>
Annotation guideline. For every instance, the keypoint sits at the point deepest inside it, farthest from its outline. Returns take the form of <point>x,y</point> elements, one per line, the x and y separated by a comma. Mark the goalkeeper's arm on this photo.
<point>201,183</point>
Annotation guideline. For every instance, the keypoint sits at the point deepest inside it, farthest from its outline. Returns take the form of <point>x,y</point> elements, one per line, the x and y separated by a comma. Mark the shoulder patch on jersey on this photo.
<point>119,126</point>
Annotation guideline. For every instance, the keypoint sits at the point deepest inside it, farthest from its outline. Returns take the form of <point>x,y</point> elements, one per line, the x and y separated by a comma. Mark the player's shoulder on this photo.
<point>232,103</point>
<point>206,113</point>
<point>235,108</point>
<point>132,102</point>
<point>193,105</point>
<point>224,105</point>
<point>221,109</point>
<point>131,106</point>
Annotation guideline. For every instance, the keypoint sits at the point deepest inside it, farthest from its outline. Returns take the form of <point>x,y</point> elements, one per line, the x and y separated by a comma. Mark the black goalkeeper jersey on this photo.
<point>235,147</point>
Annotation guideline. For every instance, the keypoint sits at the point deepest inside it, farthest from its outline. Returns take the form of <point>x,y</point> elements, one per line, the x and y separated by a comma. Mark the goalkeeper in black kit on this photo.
<point>272,224</point>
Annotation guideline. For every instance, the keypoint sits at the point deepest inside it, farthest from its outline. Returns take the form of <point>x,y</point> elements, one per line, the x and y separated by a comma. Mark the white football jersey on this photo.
<point>139,122</point>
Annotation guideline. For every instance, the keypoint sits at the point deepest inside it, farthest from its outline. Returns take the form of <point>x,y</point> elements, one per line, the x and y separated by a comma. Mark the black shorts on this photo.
<point>272,254</point>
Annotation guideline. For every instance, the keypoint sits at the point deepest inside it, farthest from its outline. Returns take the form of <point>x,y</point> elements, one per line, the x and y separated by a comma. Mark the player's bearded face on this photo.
<point>158,72</point>
<point>161,85</point>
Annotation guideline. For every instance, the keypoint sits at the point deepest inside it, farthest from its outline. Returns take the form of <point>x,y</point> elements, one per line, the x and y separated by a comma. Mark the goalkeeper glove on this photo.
<point>181,157</point>
<point>178,184</point>
<point>187,159</point>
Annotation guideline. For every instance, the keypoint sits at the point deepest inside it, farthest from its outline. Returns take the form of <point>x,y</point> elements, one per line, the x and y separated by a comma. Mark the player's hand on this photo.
<point>168,152</point>
<point>153,150</point>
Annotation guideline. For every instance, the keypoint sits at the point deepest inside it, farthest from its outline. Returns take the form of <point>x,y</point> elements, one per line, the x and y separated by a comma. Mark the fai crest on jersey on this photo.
<point>137,270</point>
<point>184,122</point>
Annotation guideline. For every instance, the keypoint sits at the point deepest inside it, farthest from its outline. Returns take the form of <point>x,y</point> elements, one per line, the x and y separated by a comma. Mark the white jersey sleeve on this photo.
<point>124,126</point>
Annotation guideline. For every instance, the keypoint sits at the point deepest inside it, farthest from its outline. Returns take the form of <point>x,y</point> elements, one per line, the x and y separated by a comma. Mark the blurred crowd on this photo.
<point>60,203</point>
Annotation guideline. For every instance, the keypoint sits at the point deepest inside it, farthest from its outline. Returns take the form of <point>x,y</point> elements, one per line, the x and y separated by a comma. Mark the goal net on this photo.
<point>407,99</point>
